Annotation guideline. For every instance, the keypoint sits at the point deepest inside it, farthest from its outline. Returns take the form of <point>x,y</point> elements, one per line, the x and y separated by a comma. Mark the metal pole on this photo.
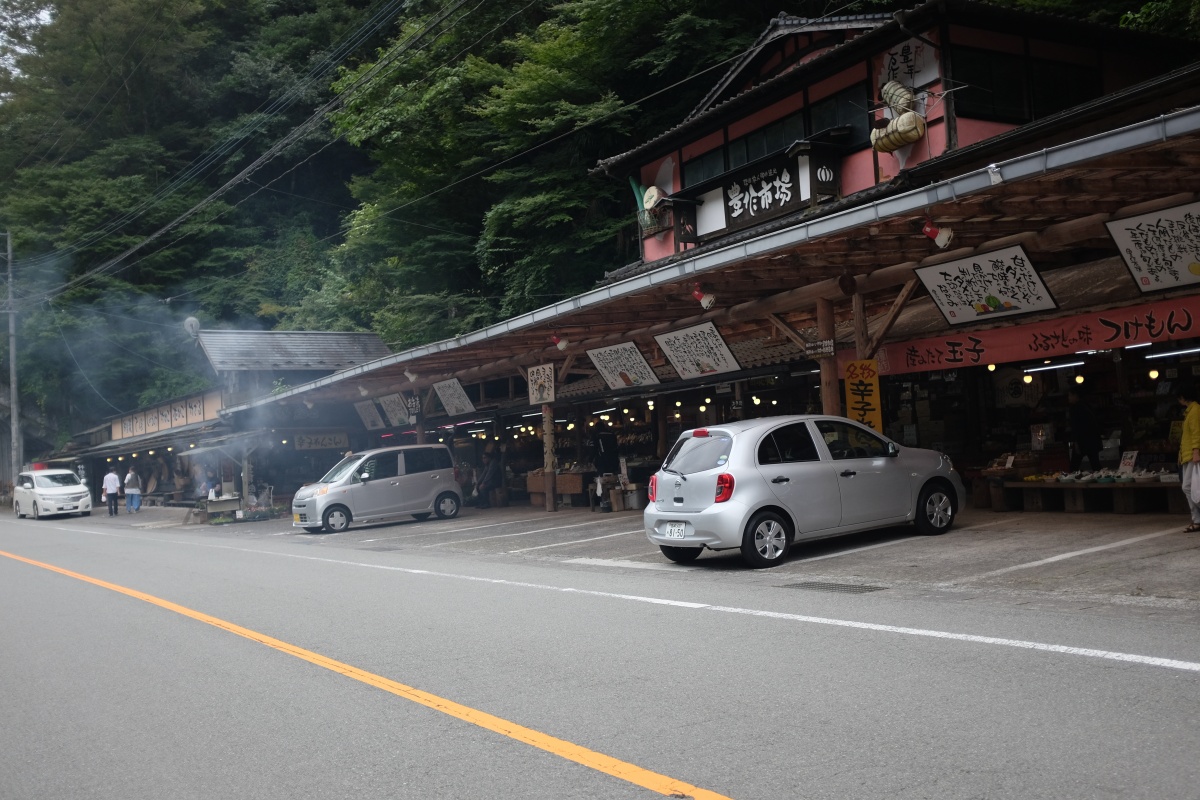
<point>17,457</point>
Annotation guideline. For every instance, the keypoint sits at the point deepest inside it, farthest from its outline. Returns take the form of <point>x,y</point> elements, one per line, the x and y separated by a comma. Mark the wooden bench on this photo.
<point>1120,498</point>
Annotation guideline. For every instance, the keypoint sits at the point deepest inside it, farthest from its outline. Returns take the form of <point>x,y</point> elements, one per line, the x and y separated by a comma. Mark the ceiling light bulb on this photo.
<point>1153,374</point>
<point>1028,379</point>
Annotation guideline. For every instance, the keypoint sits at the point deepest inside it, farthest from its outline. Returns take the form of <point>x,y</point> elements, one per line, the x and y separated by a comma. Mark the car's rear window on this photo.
<point>699,453</point>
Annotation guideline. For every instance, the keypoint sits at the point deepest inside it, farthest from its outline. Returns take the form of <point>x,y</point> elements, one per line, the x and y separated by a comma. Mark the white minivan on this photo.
<point>42,492</point>
<point>373,486</point>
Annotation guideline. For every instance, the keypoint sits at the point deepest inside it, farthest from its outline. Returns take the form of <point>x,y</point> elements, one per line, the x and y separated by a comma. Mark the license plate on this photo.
<point>69,508</point>
<point>675,530</point>
<point>296,518</point>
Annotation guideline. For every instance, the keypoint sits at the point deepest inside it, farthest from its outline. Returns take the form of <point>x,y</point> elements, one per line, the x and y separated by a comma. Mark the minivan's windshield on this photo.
<point>61,479</point>
<point>341,470</point>
<point>698,453</point>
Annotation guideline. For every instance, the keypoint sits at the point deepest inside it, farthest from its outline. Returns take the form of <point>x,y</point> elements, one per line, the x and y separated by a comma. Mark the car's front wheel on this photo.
<point>36,513</point>
<point>766,540</point>
<point>446,505</point>
<point>935,510</point>
<point>680,555</point>
<point>336,519</point>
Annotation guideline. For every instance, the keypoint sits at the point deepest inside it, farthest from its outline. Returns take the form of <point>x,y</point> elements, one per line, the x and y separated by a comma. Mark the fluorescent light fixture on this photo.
<point>534,414</point>
<point>1059,366</point>
<point>1173,353</point>
<point>604,411</point>
<point>1136,346</point>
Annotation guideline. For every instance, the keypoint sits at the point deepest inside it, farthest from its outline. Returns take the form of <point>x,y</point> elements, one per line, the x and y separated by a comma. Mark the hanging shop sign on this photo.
<point>1161,249</point>
<point>1002,283</point>
<point>912,63</point>
<point>862,393</point>
<point>622,365</point>
<point>697,351</point>
<point>541,384</point>
<point>822,348</point>
<point>1147,323</point>
<point>454,397</point>
<point>395,409</point>
<point>322,440</point>
<point>369,415</point>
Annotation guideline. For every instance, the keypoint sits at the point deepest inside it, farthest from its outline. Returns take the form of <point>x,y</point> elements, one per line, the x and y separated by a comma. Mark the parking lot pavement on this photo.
<point>1138,561</point>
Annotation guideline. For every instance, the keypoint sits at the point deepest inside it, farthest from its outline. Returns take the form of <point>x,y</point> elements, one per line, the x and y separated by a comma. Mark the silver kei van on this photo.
<point>376,485</point>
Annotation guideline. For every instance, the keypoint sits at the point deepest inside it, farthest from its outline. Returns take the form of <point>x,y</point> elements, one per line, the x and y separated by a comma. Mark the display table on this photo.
<point>1120,498</point>
<point>567,485</point>
<point>223,504</point>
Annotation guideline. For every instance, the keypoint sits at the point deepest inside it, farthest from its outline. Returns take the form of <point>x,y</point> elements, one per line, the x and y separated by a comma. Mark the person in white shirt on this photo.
<point>112,488</point>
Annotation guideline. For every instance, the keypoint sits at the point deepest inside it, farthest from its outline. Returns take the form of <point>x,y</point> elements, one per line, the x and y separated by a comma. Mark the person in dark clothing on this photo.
<point>489,479</point>
<point>1083,432</point>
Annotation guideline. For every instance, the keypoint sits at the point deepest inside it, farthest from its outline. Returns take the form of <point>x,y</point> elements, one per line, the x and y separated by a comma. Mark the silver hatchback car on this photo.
<point>762,484</point>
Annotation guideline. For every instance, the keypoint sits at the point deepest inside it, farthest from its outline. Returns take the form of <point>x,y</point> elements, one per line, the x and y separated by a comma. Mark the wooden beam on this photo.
<point>858,308</point>
<point>566,368</point>
<point>890,318</point>
<point>787,330</point>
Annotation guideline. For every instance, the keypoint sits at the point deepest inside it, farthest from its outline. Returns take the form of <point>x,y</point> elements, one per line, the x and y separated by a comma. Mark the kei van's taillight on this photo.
<point>653,488</point>
<point>724,487</point>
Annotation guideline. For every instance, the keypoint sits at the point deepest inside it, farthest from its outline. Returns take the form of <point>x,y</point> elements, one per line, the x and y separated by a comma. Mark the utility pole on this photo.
<point>14,408</point>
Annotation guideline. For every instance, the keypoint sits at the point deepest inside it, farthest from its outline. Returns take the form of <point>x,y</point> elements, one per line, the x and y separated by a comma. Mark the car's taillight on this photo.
<point>653,488</point>
<point>724,487</point>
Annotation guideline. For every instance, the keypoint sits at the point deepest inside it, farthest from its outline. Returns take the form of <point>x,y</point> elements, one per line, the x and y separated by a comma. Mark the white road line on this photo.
<point>574,541</point>
<point>615,562</point>
<point>1109,655</point>
<point>507,535</point>
<point>1063,556</point>
<point>855,550</point>
<point>456,530</point>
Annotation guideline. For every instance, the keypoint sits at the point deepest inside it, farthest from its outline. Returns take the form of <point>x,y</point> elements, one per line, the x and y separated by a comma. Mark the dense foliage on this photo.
<point>411,167</point>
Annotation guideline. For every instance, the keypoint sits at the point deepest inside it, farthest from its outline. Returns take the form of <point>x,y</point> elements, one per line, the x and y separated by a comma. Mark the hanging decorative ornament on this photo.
<point>906,125</point>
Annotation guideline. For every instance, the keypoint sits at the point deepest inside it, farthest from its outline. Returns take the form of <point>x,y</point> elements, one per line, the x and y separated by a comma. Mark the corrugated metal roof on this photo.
<point>280,351</point>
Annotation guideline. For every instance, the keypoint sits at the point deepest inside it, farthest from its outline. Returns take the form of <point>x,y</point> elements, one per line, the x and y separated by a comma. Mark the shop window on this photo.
<point>993,86</point>
<point>700,169</point>
<point>848,108</point>
<point>1062,86</point>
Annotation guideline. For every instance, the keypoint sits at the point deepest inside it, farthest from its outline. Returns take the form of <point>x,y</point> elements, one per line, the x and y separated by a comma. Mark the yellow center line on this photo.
<point>632,773</point>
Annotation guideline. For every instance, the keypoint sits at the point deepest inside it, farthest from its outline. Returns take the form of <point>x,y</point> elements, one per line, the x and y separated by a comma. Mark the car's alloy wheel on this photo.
<point>337,519</point>
<point>36,515</point>
<point>446,505</point>
<point>17,509</point>
<point>935,510</point>
<point>766,540</point>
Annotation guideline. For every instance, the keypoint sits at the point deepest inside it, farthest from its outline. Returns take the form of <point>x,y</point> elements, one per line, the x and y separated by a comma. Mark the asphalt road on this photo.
<point>521,654</point>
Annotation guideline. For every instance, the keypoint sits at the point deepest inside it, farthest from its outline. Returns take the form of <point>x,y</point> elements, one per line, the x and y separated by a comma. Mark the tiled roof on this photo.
<point>281,351</point>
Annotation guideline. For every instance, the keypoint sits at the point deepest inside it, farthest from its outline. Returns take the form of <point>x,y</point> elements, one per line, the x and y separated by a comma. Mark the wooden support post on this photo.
<point>548,460</point>
<point>420,426</point>
<point>859,307</point>
<point>831,396</point>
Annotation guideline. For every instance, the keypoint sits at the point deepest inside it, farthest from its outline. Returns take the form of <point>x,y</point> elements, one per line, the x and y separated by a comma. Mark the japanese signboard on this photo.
<point>454,397</point>
<point>1164,321</point>
<point>622,366</point>
<point>541,384</point>
<point>697,351</point>
<point>395,409</point>
<point>998,284</point>
<point>369,415</point>
<point>1162,249</point>
<point>766,191</point>
<point>822,348</point>
<point>322,440</point>
<point>862,393</point>
<point>913,63</point>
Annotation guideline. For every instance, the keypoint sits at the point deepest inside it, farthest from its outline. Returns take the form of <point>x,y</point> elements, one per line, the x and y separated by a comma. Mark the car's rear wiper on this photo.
<point>673,472</point>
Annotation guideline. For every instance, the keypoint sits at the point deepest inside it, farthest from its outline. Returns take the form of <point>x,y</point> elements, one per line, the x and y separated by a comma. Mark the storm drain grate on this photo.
<point>844,588</point>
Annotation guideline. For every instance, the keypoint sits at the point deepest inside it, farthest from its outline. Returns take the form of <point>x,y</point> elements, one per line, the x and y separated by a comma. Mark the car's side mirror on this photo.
<point>366,476</point>
<point>893,450</point>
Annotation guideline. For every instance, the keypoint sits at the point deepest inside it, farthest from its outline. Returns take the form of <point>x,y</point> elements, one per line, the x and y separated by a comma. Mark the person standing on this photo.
<point>133,491</point>
<point>1189,450</point>
<point>1084,433</point>
<point>112,490</point>
<point>489,479</point>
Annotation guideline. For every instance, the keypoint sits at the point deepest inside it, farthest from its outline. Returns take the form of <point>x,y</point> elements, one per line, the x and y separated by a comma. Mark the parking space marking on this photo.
<point>855,550</point>
<point>575,541</point>
<point>605,764</point>
<point>1155,661</point>
<point>616,562</point>
<point>453,530</point>
<point>508,535</point>
<point>1062,556</point>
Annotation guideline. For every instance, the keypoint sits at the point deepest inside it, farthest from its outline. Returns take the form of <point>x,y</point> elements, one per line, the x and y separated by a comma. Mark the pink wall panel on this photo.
<point>767,115</point>
<point>971,131</point>
<point>858,172</point>
<point>702,146</point>
<point>650,171</point>
<point>986,40</point>
<point>654,248</point>
<point>823,89</point>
